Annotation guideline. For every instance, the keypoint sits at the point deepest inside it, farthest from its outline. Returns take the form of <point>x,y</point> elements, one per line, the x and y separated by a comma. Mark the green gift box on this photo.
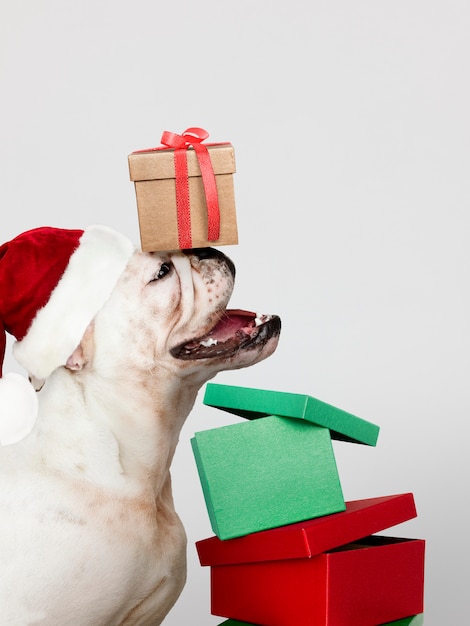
<point>266,473</point>
<point>278,467</point>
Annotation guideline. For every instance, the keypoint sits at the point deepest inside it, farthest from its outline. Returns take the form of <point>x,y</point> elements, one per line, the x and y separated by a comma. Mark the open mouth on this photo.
<point>236,330</point>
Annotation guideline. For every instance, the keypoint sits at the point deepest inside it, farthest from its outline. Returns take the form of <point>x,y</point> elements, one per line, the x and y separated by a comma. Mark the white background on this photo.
<point>350,122</point>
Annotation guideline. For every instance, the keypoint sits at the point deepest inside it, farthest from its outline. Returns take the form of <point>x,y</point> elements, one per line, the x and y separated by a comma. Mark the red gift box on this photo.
<point>327,571</point>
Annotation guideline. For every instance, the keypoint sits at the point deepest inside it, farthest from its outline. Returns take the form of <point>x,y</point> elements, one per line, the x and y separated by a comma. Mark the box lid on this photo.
<point>312,537</point>
<point>255,403</point>
<point>159,164</point>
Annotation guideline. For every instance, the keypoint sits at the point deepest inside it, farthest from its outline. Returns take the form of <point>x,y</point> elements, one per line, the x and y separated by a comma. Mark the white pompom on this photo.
<point>18,408</point>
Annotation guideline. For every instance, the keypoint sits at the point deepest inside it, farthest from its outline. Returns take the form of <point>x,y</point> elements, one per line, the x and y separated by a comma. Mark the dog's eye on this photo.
<point>165,268</point>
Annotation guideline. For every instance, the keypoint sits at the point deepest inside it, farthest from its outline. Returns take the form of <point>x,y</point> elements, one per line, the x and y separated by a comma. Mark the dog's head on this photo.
<point>225,337</point>
<point>169,311</point>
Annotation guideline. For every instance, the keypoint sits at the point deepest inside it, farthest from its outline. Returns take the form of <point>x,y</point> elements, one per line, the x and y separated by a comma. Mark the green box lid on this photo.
<point>255,403</point>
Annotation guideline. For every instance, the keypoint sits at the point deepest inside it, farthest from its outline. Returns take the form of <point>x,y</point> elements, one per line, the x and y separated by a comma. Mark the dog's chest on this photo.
<point>103,559</point>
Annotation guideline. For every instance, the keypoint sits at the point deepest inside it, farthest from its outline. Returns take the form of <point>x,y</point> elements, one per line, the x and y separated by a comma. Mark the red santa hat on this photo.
<point>52,283</point>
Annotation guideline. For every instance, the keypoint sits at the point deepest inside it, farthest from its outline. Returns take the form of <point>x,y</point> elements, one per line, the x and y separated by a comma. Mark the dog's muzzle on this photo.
<point>211,254</point>
<point>235,331</point>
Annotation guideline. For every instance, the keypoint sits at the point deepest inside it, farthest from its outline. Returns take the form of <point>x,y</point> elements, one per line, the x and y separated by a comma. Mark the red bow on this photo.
<point>193,137</point>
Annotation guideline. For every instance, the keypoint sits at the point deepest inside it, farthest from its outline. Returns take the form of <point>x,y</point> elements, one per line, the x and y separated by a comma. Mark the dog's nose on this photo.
<point>212,253</point>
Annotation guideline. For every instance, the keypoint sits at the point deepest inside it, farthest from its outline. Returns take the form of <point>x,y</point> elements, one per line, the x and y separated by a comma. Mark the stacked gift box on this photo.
<point>288,550</point>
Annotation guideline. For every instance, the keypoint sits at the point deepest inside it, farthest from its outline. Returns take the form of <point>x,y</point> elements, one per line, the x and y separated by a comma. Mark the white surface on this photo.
<point>351,130</point>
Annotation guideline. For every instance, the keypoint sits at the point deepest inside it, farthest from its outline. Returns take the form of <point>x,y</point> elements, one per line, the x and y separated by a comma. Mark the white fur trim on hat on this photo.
<point>85,286</point>
<point>18,408</point>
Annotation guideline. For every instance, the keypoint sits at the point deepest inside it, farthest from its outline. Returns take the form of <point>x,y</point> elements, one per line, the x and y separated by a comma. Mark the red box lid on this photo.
<point>311,537</point>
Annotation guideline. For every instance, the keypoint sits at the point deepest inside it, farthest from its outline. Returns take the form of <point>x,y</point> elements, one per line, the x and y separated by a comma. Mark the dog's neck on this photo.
<point>114,433</point>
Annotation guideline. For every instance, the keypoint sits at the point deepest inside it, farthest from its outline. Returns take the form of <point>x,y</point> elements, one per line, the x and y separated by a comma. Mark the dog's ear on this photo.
<point>83,353</point>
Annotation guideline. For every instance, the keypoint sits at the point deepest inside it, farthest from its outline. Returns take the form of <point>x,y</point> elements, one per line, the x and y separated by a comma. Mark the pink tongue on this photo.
<point>232,321</point>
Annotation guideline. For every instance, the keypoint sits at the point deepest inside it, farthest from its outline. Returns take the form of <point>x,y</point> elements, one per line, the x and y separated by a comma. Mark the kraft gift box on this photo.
<point>322,572</point>
<point>153,173</point>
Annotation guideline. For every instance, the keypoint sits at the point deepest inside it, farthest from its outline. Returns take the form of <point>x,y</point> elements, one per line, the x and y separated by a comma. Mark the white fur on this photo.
<point>88,531</point>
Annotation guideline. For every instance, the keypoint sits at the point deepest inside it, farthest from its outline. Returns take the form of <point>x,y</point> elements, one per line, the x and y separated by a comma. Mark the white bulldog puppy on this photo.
<point>88,531</point>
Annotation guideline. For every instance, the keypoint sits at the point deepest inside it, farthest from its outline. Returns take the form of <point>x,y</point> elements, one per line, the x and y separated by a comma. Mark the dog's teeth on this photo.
<point>259,319</point>
<point>209,342</point>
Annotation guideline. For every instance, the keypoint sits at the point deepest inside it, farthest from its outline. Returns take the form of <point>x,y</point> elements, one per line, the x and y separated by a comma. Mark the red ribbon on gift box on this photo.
<point>180,143</point>
<point>193,137</point>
